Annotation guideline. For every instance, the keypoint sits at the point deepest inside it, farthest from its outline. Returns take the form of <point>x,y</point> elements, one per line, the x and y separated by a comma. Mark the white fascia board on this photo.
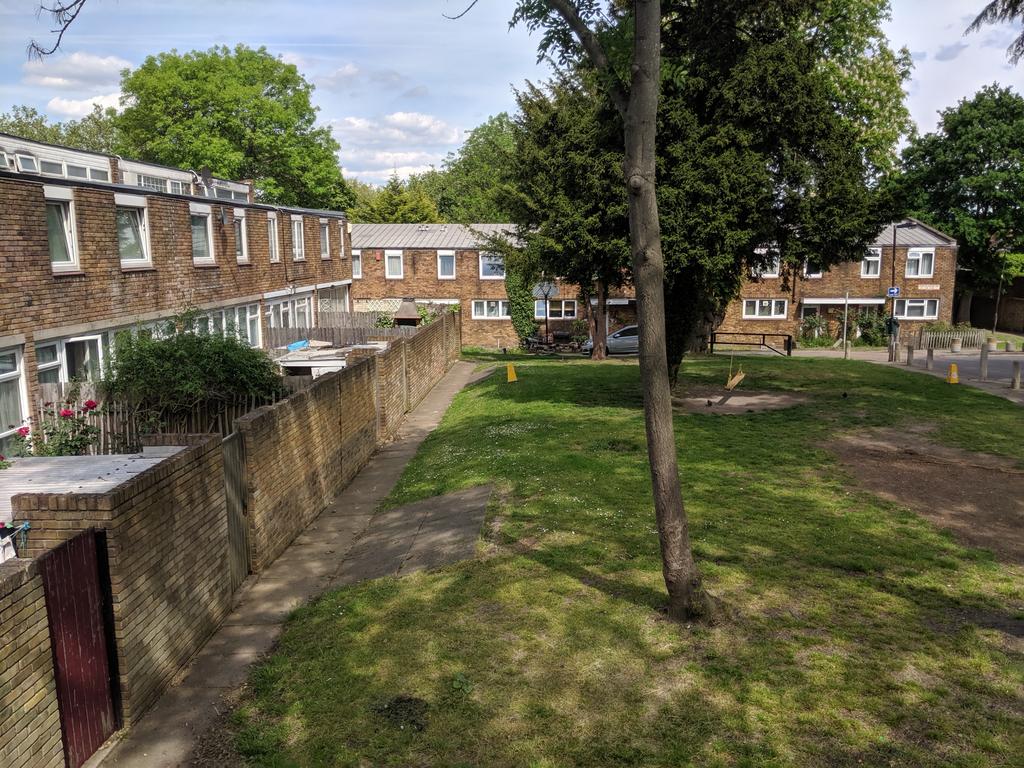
<point>841,300</point>
<point>200,209</point>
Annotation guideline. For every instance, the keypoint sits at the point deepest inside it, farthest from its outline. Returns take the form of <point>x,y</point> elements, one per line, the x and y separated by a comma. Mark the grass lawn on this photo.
<point>858,631</point>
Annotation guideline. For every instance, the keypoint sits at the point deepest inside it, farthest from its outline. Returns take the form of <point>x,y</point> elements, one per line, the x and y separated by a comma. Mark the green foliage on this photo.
<point>814,331</point>
<point>169,374</point>
<point>64,429</point>
<point>519,288</point>
<point>395,203</point>
<point>96,132</point>
<point>242,113</point>
<point>967,179</point>
<point>384,320</point>
<point>873,331</point>
<point>1003,11</point>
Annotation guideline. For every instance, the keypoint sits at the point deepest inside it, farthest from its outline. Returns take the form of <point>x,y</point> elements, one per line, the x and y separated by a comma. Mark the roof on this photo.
<point>429,236</point>
<point>920,234</point>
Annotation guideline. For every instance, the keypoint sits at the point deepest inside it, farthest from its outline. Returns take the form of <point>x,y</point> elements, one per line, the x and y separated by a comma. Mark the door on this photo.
<point>234,496</point>
<point>77,608</point>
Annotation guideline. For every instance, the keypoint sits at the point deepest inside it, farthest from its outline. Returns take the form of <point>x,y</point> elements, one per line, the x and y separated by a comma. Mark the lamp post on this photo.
<point>999,290</point>
<point>893,292</point>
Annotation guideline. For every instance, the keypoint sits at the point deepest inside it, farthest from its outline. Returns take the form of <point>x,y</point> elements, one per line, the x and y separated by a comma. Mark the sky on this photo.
<point>398,83</point>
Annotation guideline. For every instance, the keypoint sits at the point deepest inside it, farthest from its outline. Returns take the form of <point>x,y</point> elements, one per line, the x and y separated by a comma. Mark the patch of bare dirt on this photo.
<point>719,400</point>
<point>977,497</point>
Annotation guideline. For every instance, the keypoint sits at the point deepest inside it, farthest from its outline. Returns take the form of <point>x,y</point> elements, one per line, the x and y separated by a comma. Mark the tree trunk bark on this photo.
<point>600,329</point>
<point>687,599</point>
<point>963,314</point>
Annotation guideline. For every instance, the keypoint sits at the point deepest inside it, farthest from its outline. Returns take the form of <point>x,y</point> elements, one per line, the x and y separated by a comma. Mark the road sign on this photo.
<point>894,291</point>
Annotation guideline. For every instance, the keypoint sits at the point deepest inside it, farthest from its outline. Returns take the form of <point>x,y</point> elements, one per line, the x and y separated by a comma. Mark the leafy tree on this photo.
<point>997,12</point>
<point>395,203</point>
<point>242,113</point>
<point>967,179</point>
<point>96,132</point>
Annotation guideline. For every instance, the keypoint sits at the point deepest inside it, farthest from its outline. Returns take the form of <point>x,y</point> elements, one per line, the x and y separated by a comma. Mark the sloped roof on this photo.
<point>423,235</point>
<point>918,235</point>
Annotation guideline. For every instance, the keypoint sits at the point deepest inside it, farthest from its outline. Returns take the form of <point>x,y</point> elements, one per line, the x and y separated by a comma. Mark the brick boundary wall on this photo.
<point>167,547</point>
<point>29,718</point>
<point>302,451</point>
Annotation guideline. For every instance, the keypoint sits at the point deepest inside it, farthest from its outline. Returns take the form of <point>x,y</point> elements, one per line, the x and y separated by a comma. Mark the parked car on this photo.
<point>624,341</point>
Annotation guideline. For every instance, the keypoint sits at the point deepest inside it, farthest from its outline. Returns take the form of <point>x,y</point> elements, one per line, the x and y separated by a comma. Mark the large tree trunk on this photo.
<point>687,599</point>
<point>963,314</point>
<point>599,326</point>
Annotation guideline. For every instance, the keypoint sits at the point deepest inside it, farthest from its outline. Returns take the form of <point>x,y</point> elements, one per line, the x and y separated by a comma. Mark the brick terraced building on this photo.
<point>91,244</point>
<point>778,300</point>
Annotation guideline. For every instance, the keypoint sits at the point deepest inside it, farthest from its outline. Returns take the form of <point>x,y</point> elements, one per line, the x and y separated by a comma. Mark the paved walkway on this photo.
<point>347,543</point>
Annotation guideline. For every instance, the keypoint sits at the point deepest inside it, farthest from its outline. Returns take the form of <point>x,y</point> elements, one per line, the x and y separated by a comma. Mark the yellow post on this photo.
<point>510,372</point>
<point>953,376</point>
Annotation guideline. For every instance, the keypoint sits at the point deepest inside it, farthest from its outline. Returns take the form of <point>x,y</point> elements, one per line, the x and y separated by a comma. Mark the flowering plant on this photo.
<point>65,429</point>
<point>4,464</point>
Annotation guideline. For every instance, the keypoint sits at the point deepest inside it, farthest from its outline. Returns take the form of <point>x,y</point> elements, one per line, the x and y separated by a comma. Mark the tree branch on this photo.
<point>63,13</point>
<point>463,13</point>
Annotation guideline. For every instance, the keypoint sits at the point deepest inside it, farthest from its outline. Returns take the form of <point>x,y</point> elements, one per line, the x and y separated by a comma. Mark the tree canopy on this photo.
<point>397,202</point>
<point>242,113</point>
<point>96,132</point>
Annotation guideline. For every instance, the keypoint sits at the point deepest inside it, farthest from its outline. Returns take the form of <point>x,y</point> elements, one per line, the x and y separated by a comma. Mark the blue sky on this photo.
<point>397,82</point>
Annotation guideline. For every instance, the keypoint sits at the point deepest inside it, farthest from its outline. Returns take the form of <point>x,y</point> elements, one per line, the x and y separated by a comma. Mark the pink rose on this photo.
<point>90,405</point>
<point>66,413</point>
<point>23,431</point>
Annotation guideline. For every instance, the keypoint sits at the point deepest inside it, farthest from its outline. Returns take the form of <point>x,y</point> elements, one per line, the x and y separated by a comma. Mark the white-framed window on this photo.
<point>76,171</point>
<point>51,168</point>
<point>917,309</point>
<point>273,238</point>
<point>871,264</point>
<point>97,174</point>
<point>13,406</point>
<point>446,265</point>
<point>774,309</point>
<point>178,187</point>
<point>60,229</point>
<point>558,309</point>
<point>357,263</point>
<point>492,266</point>
<point>241,321</point>
<point>152,182</point>
<point>241,237</point>
<point>48,363</point>
<point>490,309</point>
<point>132,231</point>
<point>325,239</point>
<point>201,219</point>
<point>772,268</point>
<point>394,268</point>
<point>812,269</point>
<point>920,262</point>
<point>27,163</point>
<point>291,313</point>
<point>298,242</point>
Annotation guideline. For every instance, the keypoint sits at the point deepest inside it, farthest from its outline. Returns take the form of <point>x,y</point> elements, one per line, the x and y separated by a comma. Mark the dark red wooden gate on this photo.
<point>79,636</point>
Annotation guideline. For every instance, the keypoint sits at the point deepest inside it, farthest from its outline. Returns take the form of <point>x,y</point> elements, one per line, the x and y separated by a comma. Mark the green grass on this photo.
<point>857,631</point>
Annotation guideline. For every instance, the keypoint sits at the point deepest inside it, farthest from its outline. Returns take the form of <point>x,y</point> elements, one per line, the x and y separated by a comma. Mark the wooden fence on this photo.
<point>970,338</point>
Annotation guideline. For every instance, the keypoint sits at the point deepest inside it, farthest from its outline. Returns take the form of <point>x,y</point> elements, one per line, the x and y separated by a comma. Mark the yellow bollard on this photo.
<point>953,376</point>
<point>510,371</point>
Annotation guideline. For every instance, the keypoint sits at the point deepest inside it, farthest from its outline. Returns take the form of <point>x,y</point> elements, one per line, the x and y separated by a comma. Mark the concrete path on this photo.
<point>347,543</point>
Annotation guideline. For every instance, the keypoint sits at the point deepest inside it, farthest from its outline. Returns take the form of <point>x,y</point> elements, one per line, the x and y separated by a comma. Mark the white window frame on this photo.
<point>273,238</point>
<point>58,163</point>
<point>206,212</point>
<point>289,307</point>
<point>64,197</point>
<point>387,264</point>
<point>26,163</point>
<point>873,255</point>
<point>902,314</point>
<point>812,275</point>
<point>479,304</point>
<point>299,240</point>
<point>357,264</point>
<point>480,259</point>
<point>762,272</point>
<point>325,240</point>
<point>240,217</point>
<point>18,374</point>
<point>441,276</point>
<point>539,309</point>
<point>53,365</point>
<point>774,309</point>
<point>136,203</point>
<point>916,254</point>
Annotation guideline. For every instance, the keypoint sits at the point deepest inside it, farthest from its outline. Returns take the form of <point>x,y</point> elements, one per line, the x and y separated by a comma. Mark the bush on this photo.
<point>64,429</point>
<point>872,329</point>
<point>814,332</point>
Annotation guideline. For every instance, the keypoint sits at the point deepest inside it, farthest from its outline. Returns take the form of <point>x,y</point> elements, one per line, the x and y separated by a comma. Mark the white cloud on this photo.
<point>350,79</point>
<point>76,70</point>
<point>82,107</point>
<point>400,130</point>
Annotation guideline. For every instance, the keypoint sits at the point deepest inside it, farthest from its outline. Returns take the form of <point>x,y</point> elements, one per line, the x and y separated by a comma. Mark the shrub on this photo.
<point>814,332</point>
<point>872,329</point>
<point>64,429</point>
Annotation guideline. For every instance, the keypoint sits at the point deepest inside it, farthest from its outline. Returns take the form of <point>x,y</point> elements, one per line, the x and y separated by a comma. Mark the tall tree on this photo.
<point>242,113</point>
<point>1000,11</point>
<point>96,132</point>
<point>396,203</point>
<point>967,178</point>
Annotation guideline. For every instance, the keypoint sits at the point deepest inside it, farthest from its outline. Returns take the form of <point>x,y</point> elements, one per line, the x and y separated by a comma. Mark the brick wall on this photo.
<point>29,718</point>
<point>302,451</point>
<point>167,548</point>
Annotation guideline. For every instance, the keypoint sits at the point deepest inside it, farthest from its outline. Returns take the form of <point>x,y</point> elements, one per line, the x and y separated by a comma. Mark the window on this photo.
<point>27,164</point>
<point>871,265</point>
<point>812,269</point>
<point>77,171</point>
<point>298,245</point>
<point>12,396</point>
<point>241,237</point>
<point>152,182</point>
<point>60,229</point>
<point>492,267</point>
<point>446,265</point>
<point>47,364</point>
<point>357,264</point>
<point>51,168</point>
<point>83,358</point>
<point>917,309</point>
<point>765,308</point>
<point>291,313</point>
<point>178,188</point>
<point>202,234</point>
<point>325,239</point>
<point>132,236</point>
<point>772,268</point>
<point>920,263</point>
<point>558,309</point>
<point>490,310</point>
<point>97,175</point>
<point>393,267</point>
<point>272,241</point>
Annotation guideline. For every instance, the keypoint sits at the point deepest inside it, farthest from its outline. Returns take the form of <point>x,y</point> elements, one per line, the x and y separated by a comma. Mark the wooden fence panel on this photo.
<point>235,495</point>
